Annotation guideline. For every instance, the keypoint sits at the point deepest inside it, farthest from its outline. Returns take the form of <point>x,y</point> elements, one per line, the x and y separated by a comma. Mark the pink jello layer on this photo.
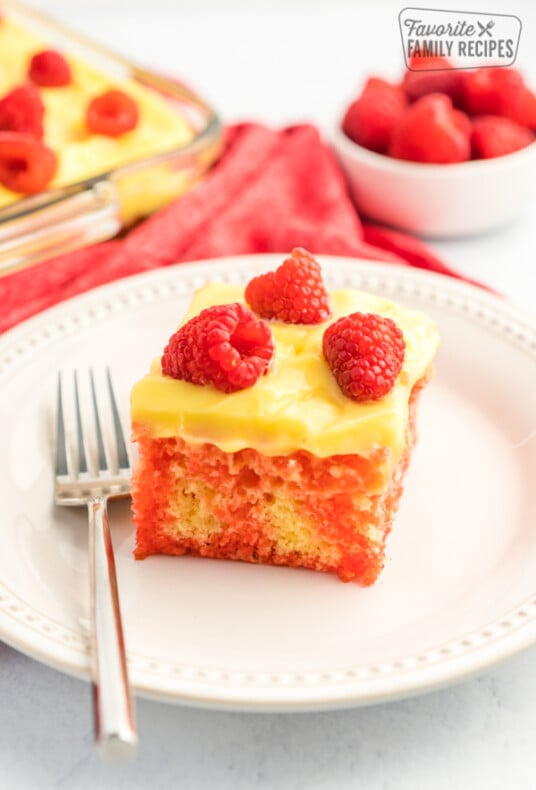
<point>329,514</point>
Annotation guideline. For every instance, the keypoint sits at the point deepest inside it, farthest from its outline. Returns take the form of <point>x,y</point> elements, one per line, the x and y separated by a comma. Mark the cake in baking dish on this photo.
<point>278,424</point>
<point>63,121</point>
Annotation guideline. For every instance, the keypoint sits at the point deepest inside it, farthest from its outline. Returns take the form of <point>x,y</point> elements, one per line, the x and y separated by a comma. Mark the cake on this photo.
<point>46,95</point>
<point>288,470</point>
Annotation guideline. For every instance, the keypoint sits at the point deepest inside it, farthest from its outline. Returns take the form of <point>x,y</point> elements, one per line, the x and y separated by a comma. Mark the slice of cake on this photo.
<point>279,423</point>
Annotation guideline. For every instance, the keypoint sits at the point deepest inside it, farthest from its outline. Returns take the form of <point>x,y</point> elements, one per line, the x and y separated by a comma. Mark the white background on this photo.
<point>285,63</point>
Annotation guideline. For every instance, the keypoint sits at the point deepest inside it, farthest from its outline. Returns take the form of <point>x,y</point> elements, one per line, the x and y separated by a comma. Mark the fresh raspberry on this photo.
<point>26,164</point>
<point>499,91</point>
<point>431,75</point>
<point>21,110</point>
<point>112,114</point>
<point>370,120</point>
<point>495,136</point>
<point>294,293</point>
<point>226,346</point>
<point>365,353</point>
<point>525,113</point>
<point>49,69</point>
<point>432,131</point>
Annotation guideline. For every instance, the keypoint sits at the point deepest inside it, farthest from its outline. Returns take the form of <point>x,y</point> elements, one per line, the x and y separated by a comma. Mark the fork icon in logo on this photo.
<point>486,28</point>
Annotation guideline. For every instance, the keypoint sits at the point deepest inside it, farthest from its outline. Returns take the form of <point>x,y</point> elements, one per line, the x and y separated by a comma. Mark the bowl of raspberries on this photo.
<point>443,153</point>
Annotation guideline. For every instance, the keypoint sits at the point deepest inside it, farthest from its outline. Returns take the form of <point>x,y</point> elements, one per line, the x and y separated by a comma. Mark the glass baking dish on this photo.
<point>98,207</point>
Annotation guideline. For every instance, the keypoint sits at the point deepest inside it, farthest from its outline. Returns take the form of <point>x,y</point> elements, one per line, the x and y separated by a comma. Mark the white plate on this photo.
<point>458,592</point>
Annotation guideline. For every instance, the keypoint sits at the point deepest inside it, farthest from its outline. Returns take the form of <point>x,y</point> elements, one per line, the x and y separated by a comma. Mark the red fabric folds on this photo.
<point>270,191</point>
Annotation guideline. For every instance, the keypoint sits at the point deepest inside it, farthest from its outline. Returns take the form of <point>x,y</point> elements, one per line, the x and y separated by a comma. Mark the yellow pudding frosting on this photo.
<point>80,153</point>
<point>297,404</point>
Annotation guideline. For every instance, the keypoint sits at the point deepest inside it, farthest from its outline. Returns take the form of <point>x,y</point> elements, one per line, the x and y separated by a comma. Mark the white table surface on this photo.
<point>282,65</point>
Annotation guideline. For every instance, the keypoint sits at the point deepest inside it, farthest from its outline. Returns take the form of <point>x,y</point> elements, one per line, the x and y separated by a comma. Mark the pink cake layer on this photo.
<point>329,514</point>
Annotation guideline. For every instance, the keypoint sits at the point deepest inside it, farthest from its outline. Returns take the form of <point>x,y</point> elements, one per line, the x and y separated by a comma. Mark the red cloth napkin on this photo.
<point>270,191</point>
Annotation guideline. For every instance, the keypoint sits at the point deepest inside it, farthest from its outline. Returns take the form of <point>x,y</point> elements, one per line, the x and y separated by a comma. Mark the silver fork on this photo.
<point>87,474</point>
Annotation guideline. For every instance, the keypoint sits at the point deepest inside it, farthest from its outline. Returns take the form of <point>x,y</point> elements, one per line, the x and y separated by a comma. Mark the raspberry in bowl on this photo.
<point>443,153</point>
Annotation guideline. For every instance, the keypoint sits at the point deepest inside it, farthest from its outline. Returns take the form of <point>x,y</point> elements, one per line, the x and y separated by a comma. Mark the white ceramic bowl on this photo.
<point>438,200</point>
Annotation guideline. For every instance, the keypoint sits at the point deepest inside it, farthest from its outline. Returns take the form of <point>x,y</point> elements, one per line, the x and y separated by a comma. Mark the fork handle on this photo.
<point>115,729</point>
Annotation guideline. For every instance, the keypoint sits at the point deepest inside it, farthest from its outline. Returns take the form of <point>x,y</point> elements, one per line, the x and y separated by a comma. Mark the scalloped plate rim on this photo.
<point>325,693</point>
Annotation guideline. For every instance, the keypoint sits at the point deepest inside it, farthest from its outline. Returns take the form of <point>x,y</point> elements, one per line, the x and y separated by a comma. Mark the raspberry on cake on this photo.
<point>26,164</point>
<point>112,114</point>
<point>50,69</point>
<point>91,122</point>
<point>291,469</point>
<point>225,345</point>
<point>294,293</point>
<point>22,110</point>
<point>365,353</point>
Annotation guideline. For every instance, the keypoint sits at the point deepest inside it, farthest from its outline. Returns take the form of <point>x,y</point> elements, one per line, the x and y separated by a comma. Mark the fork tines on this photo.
<point>90,442</point>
